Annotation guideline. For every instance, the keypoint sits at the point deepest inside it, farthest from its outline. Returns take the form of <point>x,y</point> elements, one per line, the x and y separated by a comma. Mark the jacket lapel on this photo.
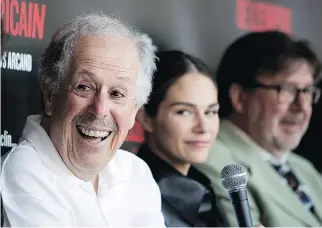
<point>271,184</point>
<point>313,182</point>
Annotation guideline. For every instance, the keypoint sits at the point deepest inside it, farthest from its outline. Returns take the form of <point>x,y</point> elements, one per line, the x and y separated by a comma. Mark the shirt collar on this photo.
<point>263,153</point>
<point>36,135</point>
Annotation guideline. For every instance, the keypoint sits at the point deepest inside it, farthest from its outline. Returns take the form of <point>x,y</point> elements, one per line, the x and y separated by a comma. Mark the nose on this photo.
<point>201,123</point>
<point>100,105</point>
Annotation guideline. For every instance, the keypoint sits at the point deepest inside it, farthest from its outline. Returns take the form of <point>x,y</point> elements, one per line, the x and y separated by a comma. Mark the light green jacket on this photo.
<point>272,202</point>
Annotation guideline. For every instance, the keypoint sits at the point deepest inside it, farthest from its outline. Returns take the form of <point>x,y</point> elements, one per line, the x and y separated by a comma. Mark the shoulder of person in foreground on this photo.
<point>140,174</point>
<point>219,156</point>
<point>26,190</point>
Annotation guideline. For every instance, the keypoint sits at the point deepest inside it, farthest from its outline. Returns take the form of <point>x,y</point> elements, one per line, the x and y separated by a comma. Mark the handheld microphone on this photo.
<point>234,179</point>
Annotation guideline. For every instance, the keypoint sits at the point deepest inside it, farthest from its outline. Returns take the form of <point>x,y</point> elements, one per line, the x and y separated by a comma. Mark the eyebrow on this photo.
<point>87,73</point>
<point>123,78</point>
<point>193,105</point>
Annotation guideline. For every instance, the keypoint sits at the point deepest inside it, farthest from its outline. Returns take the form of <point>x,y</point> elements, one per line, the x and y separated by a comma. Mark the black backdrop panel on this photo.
<point>203,28</point>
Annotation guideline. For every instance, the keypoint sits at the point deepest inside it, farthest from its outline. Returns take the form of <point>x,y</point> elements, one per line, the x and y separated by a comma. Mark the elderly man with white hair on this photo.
<point>67,169</point>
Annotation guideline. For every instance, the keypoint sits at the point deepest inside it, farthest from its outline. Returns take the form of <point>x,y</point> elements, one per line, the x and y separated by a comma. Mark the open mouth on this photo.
<point>91,134</point>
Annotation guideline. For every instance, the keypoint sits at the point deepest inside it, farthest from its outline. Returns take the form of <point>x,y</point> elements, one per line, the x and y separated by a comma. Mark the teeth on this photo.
<point>97,134</point>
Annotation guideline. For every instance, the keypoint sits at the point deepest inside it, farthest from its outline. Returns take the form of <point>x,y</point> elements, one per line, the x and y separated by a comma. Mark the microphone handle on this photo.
<point>240,203</point>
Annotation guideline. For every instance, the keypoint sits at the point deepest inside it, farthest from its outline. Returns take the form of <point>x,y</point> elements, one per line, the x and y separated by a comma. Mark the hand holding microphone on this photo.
<point>234,179</point>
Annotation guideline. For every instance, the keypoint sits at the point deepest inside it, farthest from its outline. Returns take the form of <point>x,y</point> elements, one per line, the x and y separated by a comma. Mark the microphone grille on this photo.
<point>233,177</point>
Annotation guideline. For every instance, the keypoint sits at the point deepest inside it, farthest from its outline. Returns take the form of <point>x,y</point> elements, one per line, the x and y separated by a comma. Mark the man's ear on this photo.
<point>237,98</point>
<point>47,99</point>
<point>144,120</point>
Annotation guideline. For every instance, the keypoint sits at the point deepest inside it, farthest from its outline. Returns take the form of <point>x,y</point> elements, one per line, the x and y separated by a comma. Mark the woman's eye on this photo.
<point>212,112</point>
<point>184,112</point>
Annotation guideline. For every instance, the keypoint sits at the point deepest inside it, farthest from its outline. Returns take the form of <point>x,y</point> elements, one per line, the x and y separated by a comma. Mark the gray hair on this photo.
<point>56,60</point>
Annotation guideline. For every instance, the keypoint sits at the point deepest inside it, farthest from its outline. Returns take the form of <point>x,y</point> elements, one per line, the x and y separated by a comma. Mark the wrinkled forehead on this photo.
<point>107,54</point>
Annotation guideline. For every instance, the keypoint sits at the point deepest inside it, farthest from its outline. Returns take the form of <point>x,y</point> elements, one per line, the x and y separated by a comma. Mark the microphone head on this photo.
<point>233,177</point>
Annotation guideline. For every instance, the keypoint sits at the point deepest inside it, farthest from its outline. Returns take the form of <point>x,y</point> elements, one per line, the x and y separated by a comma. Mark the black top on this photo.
<point>186,200</point>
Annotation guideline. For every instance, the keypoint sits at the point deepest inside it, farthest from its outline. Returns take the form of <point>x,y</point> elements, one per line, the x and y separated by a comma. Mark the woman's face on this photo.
<point>187,121</point>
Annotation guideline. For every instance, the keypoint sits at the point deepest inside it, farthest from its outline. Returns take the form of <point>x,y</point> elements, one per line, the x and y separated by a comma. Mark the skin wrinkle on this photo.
<point>71,150</point>
<point>104,62</point>
<point>95,100</point>
<point>86,76</point>
<point>112,65</point>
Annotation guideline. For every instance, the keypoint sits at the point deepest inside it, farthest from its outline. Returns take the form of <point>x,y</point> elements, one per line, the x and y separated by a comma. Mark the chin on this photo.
<point>289,145</point>
<point>93,161</point>
<point>199,160</point>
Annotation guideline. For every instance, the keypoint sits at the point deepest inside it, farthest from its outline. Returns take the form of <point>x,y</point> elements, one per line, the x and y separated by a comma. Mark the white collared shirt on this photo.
<point>264,153</point>
<point>39,190</point>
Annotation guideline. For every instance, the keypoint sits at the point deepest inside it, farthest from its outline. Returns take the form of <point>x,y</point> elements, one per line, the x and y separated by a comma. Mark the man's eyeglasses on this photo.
<point>288,93</point>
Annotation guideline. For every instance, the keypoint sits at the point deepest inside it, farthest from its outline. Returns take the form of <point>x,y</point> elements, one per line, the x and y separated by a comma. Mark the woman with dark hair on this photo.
<point>180,123</point>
